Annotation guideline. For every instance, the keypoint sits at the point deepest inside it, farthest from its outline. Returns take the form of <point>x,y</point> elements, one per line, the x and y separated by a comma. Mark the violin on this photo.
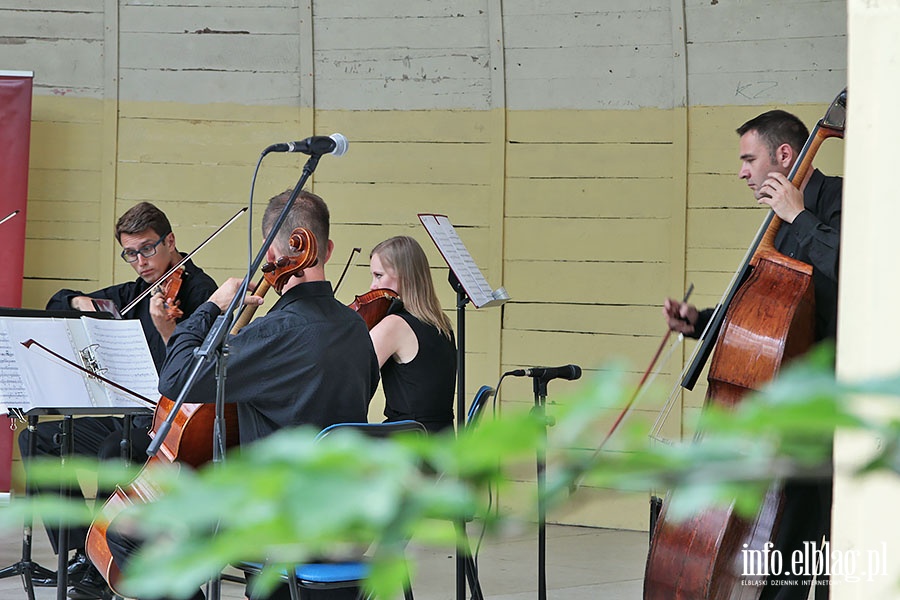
<point>375,305</point>
<point>170,290</point>
<point>303,243</point>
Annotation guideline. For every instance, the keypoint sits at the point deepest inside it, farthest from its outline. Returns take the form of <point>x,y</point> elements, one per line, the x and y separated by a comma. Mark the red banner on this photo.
<point>15,141</point>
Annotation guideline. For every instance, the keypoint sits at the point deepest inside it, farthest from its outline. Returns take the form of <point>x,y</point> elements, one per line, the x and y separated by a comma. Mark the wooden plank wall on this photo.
<point>584,150</point>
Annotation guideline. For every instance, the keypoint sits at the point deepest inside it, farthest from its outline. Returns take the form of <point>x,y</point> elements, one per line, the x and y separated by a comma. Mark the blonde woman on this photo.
<point>415,346</point>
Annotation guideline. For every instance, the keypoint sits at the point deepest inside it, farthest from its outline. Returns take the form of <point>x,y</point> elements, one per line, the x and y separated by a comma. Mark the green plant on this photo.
<point>290,498</point>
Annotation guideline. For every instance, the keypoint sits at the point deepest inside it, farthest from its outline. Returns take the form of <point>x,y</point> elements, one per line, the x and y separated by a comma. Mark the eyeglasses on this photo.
<point>147,250</point>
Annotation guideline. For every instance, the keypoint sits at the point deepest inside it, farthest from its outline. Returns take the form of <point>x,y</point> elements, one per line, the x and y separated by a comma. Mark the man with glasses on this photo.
<point>148,245</point>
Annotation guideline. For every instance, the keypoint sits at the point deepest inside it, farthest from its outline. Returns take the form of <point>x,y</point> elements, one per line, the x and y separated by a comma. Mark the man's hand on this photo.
<point>164,325</point>
<point>781,195</point>
<point>222,296</point>
<point>680,316</point>
<point>83,303</point>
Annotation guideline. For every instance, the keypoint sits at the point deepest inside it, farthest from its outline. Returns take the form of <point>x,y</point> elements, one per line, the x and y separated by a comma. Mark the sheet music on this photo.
<point>48,383</point>
<point>33,378</point>
<point>461,262</point>
<point>13,393</point>
<point>122,349</point>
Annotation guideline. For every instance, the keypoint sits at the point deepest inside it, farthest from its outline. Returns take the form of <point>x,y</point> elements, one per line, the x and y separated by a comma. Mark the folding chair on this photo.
<point>350,574</point>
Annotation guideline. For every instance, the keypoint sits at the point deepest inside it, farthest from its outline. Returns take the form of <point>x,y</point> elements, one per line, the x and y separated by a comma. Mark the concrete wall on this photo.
<point>862,536</point>
<point>584,150</point>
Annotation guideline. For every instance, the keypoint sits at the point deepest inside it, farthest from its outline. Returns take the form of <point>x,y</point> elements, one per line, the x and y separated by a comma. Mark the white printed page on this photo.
<point>121,348</point>
<point>460,261</point>
<point>13,393</point>
<point>50,384</point>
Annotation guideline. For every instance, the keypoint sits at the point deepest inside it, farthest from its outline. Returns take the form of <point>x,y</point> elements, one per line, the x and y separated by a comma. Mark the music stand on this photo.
<point>26,567</point>
<point>469,283</point>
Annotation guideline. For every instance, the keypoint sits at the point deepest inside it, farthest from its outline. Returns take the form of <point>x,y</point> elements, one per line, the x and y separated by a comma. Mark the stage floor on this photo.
<point>582,564</point>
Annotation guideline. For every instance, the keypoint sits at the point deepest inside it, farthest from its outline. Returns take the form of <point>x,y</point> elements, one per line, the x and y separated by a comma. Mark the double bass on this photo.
<point>770,319</point>
<point>189,441</point>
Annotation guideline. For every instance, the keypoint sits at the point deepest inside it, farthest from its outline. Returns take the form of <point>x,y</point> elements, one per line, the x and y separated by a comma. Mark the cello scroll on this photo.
<point>303,243</point>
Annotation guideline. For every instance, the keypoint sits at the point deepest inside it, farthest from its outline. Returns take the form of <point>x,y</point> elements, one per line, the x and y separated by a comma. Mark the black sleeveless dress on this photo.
<point>422,389</point>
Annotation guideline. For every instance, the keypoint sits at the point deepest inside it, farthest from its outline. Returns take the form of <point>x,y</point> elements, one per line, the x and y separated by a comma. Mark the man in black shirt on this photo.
<point>308,361</point>
<point>148,245</point>
<point>810,232</point>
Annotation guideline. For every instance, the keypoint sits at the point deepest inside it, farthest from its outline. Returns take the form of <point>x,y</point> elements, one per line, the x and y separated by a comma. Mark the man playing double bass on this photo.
<point>769,145</point>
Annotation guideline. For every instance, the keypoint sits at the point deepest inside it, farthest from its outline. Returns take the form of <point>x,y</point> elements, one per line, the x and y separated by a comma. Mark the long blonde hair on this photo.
<point>405,256</point>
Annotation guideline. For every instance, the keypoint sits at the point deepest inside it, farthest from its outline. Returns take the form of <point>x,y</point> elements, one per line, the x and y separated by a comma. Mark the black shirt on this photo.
<point>423,388</point>
<point>309,360</point>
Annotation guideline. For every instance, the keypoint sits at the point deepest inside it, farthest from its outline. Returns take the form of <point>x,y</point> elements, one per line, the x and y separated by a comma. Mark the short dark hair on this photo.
<point>309,211</point>
<point>777,127</point>
<point>140,217</point>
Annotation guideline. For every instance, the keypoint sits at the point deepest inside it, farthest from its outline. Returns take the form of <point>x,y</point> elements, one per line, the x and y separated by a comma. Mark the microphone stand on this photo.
<point>540,400</point>
<point>214,343</point>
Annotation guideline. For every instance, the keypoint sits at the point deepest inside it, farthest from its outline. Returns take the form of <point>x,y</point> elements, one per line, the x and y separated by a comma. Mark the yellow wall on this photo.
<point>587,218</point>
<point>584,151</point>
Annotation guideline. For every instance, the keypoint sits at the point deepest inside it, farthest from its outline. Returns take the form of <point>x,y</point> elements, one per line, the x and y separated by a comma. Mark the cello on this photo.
<point>189,440</point>
<point>770,319</point>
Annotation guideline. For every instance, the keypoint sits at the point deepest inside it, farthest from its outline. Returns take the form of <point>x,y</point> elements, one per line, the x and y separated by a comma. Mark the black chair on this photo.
<point>348,574</point>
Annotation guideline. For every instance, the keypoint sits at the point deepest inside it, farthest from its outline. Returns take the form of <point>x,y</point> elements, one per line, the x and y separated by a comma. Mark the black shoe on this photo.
<point>91,587</point>
<point>78,566</point>
<point>75,570</point>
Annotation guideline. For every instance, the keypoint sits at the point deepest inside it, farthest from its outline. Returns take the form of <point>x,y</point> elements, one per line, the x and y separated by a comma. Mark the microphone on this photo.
<point>569,372</point>
<point>316,145</point>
